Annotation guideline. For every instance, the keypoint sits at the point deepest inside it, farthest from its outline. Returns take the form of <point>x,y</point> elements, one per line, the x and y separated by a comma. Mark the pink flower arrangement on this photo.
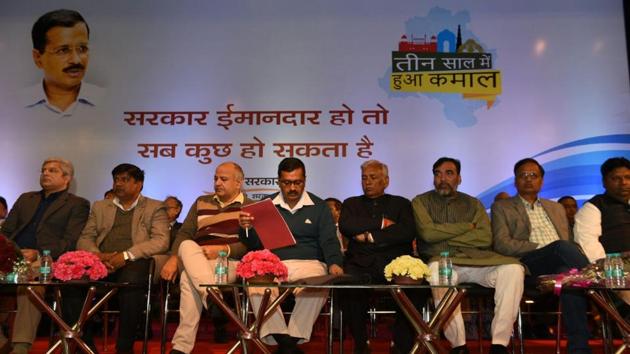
<point>256,263</point>
<point>77,265</point>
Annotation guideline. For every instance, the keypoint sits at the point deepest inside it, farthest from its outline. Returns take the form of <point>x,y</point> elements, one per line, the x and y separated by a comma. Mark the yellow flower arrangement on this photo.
<point>407,266</point>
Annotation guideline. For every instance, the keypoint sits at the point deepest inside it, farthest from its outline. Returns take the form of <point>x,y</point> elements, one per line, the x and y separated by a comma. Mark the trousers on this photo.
<point>308,303</point>
<point>197,270</point>
<point>507,281</point>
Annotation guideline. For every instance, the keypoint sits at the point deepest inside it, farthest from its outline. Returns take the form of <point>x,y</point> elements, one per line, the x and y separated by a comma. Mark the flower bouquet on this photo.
<point>407,270</point>
<point>585,277</point>
<point>261,264</point>
<point>591,275</point>
<point>79,265</point>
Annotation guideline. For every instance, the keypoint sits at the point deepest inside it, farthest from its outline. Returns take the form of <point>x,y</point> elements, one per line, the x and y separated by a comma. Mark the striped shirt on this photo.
<point>218,221</point>
<point>211,222</point>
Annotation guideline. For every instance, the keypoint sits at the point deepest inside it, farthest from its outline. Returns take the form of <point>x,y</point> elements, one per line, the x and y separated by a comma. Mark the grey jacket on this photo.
<point>511,228</point>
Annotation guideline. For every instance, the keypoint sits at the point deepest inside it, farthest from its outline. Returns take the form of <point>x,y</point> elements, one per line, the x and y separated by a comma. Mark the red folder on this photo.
<point>270,226</point>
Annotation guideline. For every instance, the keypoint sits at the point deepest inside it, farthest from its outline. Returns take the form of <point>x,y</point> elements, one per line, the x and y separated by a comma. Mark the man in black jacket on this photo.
<point>380,227</point>
<point>49,219</point>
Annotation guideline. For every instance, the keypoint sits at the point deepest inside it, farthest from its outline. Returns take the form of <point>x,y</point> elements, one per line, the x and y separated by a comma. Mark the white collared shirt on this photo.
<point>305,200</point>
<point>240,198</point>
<point>35,96</point>
<point>117,203</point>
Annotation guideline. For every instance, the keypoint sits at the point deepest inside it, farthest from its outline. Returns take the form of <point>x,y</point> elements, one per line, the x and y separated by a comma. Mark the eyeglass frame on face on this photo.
<point>65,51</point>
<point>524,175</point>
<point>288,183</point>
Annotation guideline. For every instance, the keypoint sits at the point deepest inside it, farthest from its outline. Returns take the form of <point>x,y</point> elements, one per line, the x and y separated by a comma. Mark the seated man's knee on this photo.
<point>186,246</point>
<point>434,279</point>
<point>516,272</point>
<point>565,246</point>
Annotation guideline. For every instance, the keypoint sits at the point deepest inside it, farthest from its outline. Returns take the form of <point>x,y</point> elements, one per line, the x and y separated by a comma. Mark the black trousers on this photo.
<point>355,304</point>
<point>131,300</point>
<point>559,257</point>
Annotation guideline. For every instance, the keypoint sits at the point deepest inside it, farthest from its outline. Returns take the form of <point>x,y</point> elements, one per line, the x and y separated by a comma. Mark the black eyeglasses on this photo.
<point>288,183</point>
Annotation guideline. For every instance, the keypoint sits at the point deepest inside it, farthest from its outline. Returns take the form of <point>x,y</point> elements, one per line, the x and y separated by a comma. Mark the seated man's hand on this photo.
<point>115,262</point>
<point>212,251</point>
<point>245,220</point>
<point>169,270</point>
<point>360,237</point>
<point>30,255</point>
<point>334,269</point>
<point>387,222</point>
<point>104,257</point>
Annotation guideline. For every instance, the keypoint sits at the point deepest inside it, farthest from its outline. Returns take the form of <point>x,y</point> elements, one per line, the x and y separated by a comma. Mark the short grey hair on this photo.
<point>66,166</point>
<point>377,164</point>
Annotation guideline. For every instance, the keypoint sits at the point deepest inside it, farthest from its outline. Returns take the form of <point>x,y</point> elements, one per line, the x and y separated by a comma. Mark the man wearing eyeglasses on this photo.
<point>317,252</point>
<point>536,230</point>
<point>61,51</point>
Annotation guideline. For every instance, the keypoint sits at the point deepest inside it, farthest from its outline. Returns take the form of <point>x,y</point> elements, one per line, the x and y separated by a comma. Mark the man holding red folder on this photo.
<point>316,252</point>
<point>211,226</point>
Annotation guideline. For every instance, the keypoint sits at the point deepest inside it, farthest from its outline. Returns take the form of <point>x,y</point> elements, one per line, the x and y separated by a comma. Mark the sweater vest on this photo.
<point>615,223</point>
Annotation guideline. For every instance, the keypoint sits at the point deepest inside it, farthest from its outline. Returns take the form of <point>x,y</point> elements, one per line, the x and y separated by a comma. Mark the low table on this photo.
<point>427,332</point>
<point>70,335</point>
<point>600,296</point>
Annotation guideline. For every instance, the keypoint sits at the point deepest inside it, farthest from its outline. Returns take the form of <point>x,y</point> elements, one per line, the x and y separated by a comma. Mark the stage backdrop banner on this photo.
<point>179,87</point>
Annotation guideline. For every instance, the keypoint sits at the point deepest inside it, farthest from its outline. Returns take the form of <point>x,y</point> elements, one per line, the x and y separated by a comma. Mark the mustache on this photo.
<point>74,67</point>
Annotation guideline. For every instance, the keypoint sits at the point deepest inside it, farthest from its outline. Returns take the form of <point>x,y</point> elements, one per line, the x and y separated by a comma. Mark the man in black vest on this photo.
<point>603,223</point>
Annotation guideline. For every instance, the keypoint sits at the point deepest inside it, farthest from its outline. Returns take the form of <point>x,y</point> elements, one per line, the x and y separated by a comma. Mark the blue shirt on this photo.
<point>27,238</point>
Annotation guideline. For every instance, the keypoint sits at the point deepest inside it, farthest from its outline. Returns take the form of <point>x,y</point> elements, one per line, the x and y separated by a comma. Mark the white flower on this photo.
<point>407,266</point>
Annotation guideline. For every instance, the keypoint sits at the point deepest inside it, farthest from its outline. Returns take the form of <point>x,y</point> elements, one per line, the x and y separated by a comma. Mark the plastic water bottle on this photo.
<point>45,267</point>
<point>445,269</point>
<point>221,269</point>
<point>617,274</point>
<point>608,270</point>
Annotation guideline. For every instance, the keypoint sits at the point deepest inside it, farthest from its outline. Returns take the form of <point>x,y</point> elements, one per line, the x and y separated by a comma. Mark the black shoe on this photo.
<point>140,334</point>
<point>285,344</point>
<point>284,350</point>
<point>220,334</point>
<point>498,349</point>
<point>394,350</point>
<point>462,349</point>
<point>361,348</point>
<point>175,351</point>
